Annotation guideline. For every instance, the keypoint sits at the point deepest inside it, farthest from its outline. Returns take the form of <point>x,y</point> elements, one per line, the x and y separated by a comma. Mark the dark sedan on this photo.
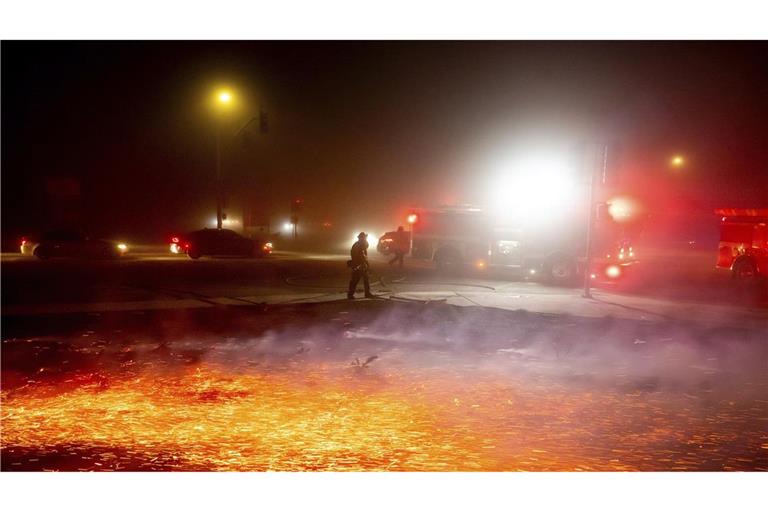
<point>219,242</point>
<point>72,244</point>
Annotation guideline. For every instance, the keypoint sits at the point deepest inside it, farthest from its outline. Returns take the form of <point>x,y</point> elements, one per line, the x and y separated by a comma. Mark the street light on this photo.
<point>677,161</point>
<point>412,219</point>
<point>223,101</point>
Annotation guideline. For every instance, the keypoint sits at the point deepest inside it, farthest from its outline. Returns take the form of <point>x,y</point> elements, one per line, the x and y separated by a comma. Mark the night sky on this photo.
<point>364,129</point>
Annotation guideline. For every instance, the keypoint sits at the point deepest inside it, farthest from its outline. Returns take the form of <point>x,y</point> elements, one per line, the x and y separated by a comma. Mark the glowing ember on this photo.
<point>349,419</point>
<point>209,421</point>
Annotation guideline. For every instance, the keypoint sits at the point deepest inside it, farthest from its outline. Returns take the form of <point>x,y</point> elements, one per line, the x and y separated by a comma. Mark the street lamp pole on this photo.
<point>224,101</point>
<point>591,219</point>
<point>219,206</point>
<point>412,218</point>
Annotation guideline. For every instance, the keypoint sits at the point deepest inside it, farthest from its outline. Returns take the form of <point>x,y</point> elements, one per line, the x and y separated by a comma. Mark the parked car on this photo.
<point>71,244</point>
<point>218,242</point>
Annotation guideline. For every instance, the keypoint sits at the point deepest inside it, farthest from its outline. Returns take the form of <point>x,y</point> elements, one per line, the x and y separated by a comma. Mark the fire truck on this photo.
<point>554,250</point>
<point>743,247</point>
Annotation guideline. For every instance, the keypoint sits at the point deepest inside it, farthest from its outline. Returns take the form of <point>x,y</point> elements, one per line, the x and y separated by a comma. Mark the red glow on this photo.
<point>623,209</point>
<point>175,239</point>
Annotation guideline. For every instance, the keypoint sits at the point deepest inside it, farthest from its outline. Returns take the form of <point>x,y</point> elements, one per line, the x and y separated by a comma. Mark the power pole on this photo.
<point>219,187</point>
<point>296,206</point>
<point>591,217</point>
<point>263,128</point>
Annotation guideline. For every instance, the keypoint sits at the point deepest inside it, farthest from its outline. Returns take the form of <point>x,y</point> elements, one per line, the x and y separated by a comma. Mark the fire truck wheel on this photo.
<point>744,269</point>
<point>560,269</point>
<point>447,258</point>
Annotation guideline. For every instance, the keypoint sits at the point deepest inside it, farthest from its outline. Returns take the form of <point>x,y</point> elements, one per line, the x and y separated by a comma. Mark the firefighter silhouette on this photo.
<point>401,245</point>
<point>359,265</point>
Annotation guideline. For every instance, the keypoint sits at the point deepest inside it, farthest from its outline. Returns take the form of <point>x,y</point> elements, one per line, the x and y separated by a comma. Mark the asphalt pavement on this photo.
<point>158,362</point>
<point>153,279</point>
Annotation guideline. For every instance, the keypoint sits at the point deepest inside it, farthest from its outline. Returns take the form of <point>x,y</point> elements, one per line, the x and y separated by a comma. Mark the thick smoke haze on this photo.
<point>364,129</point>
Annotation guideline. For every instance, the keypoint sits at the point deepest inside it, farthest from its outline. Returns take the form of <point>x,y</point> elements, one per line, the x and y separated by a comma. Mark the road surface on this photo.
<point>162,363</point>
<point>159,279</point>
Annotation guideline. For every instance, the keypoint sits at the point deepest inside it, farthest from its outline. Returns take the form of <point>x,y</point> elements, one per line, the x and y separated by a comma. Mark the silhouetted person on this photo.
<point>401,245</point>
<point>359,264</point>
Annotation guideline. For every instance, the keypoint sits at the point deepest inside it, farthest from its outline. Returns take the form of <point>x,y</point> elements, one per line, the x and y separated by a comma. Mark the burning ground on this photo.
<point>381,385</point>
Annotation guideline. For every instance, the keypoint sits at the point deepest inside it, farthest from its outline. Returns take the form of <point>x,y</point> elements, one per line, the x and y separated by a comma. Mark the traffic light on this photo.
<point>297,205</point>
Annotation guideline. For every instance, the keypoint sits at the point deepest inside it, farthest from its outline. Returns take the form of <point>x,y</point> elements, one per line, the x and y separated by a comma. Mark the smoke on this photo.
<point>474,342</point>
<point>490,343</point>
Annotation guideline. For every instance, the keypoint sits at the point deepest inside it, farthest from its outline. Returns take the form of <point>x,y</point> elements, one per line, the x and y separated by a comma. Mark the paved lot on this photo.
<point>162,363</point>
<point>156,280</point>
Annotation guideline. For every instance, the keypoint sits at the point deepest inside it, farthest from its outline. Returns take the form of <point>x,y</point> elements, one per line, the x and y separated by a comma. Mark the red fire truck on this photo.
<point>552,250</point>
<point>743,245</point>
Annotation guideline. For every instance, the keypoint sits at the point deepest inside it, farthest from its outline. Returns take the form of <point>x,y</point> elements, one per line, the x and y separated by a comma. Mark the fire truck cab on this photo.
<point>453,236</point>
<point>553,251</point>
<point>743,247</point>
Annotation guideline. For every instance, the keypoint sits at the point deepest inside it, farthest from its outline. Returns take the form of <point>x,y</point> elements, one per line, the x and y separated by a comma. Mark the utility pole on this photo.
<point>412,219</point>
<point>219,187</point>
<point>296,206</point>
<point>591,218</point>
<point>264,128</point>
